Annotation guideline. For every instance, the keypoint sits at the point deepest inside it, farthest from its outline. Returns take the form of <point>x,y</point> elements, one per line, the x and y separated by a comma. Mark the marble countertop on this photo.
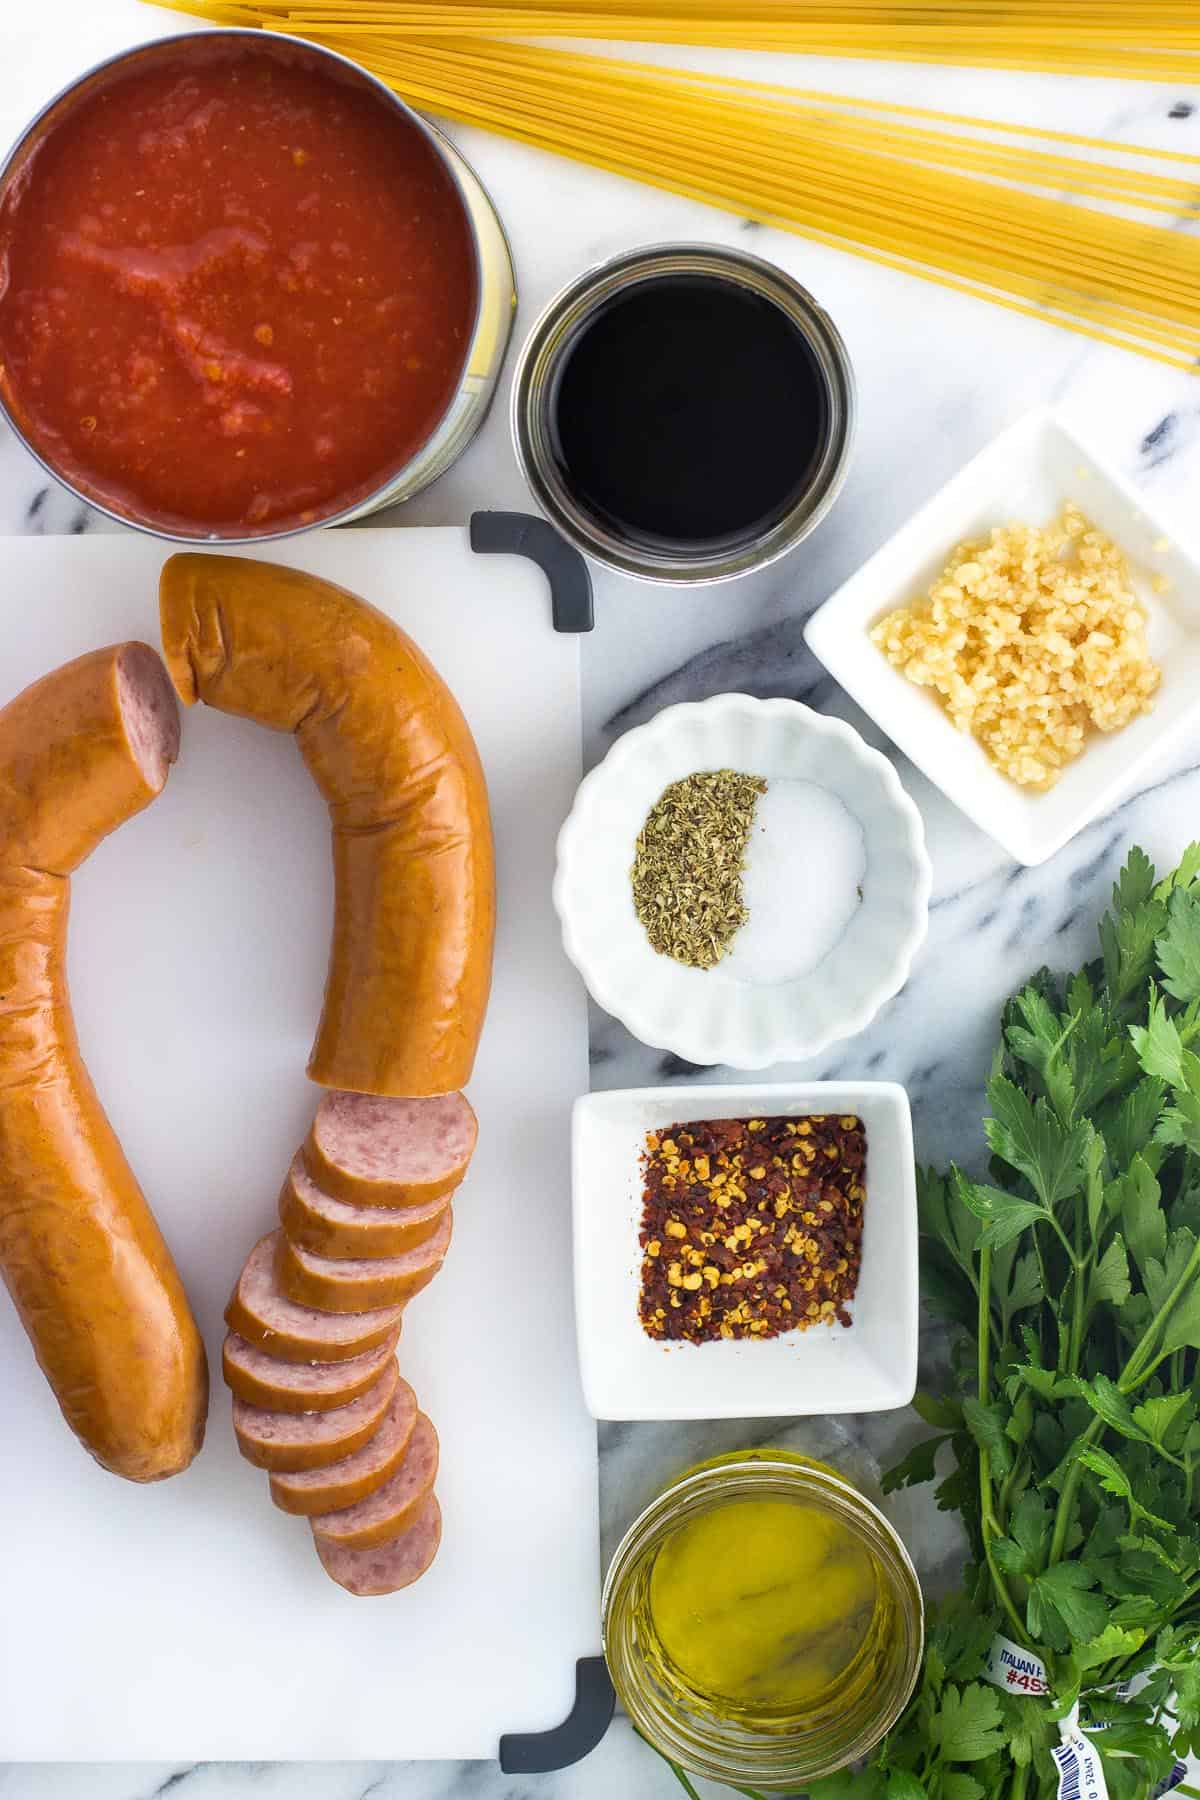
<point>938,376</point>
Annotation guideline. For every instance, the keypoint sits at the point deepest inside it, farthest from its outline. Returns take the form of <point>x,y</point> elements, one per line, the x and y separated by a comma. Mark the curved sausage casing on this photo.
<point>80,752</point>
<point>386,743</point>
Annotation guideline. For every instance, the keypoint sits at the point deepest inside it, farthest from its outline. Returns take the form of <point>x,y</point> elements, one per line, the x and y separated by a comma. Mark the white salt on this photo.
<point>805,862</point>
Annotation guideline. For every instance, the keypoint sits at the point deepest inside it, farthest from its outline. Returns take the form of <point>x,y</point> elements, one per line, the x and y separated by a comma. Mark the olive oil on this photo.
<point>762,1621</point>
<point>763,1604</point>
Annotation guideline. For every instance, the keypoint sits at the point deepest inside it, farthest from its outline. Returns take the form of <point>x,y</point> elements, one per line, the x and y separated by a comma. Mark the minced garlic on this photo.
<point>1031,639</point>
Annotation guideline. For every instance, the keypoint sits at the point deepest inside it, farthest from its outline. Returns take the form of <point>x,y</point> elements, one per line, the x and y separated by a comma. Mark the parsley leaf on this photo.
<point>1062,1608</point>
<point>1165,1417</point>
<point>1179,1125</point>
<point>1016,1283</point>
<point>966,1725</point>
<point>986,1425</point>
<point>1139,1199</point>
<point>959,1786</point>
<point>1039,1043</point>
<point>1183,876</point>
<point>1114,1642</point>
<point>1128,933</point>
<point>1160,1048</point>
<point>1109,1279</point>
<point>1109,1403</point>
<point>916,1466</point>
<point>1162,1278</point>
<point>1004,1216</point>
<point>1108,1472</point>
<point>1135,884</point>
<point>1127,1125</point>
<point>901,1785</point>
<point>945,1415</point>
<point>1023,1551</point>
<point>1183,1325</point>
<point>1028,1137</point>
<point>1179,946</point>
<point>1186,1673</point>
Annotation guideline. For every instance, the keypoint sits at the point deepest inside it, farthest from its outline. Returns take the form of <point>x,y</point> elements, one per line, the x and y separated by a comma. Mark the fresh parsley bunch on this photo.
<point>1073,1276</point>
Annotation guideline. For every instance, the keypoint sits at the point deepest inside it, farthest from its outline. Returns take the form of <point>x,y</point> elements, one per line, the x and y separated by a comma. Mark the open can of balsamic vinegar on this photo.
<point>684,413</point>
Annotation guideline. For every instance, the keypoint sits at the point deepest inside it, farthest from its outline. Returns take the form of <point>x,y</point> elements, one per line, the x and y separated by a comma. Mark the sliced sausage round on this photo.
<point>286,1440</point>
<point>388,1567</point>
<point>355,1286</point>
<point>376,1152</point>
<point>312,1491</point>
<point>259,1378</point>
<point>392,1508</point>
<point>337,1229</point>
<point>260,1312</point>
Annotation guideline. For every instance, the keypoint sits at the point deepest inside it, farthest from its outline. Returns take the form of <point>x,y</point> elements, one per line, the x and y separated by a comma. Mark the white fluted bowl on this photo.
<point>710,1016</point>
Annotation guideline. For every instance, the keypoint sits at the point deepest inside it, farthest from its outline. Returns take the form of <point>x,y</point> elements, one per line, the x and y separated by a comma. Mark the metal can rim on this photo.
<point>450,158</point>
<point>548,338</point>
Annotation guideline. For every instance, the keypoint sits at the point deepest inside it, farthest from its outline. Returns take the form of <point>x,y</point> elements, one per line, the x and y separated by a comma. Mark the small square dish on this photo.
<point>1027,474</point>
<point>867,1366</point>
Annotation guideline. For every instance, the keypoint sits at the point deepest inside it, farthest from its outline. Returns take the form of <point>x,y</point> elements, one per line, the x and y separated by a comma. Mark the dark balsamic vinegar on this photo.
<point>689,411</point>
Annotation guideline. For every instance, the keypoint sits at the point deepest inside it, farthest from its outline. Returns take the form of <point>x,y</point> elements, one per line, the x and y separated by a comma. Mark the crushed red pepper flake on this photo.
<point>751,1227</point>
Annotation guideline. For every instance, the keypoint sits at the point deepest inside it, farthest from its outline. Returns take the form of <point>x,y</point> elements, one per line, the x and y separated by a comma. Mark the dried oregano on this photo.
<point>687,868</point>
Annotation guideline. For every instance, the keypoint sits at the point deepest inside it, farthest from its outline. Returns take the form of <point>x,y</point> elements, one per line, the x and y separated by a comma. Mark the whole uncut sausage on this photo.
<point>383,737</point>
<point>81,751</point>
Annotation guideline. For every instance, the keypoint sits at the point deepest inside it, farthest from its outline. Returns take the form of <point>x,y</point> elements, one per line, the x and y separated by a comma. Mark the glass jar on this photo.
<point>773,1747</point>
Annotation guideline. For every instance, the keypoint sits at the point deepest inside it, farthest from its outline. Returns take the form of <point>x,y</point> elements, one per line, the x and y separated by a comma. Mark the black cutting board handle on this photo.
<point>521,534</point>
<point>539,1752</point>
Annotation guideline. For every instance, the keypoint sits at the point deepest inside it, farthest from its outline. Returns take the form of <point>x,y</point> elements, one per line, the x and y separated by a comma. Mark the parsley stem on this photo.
<point>1078,1297</point>
<point>682,1779</point>
<point>1142,1353</point>
<point>988,1528</point>
<point>1065,1241</point>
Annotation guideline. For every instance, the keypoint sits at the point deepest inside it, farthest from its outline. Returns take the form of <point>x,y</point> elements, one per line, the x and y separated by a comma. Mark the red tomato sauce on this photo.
<point>236,293</point>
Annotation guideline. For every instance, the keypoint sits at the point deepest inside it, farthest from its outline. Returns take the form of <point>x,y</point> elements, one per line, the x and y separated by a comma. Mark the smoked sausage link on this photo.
<point>81,751</point>
<point>389,749</point>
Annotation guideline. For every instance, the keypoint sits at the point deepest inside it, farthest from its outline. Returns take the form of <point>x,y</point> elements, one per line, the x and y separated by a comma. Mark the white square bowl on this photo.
<point>1026,474</point>
<point>865,1367</point>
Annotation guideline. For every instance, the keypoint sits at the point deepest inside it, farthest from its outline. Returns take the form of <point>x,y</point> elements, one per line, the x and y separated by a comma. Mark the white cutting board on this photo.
<point>191,1620</point>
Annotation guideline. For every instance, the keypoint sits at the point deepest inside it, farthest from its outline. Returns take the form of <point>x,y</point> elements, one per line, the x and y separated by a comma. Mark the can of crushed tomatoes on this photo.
<point>245,290</point>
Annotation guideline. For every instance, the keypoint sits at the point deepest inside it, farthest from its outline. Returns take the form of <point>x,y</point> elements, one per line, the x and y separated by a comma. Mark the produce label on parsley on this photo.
<point>1080,1771</point>
<point>1016,1670</point>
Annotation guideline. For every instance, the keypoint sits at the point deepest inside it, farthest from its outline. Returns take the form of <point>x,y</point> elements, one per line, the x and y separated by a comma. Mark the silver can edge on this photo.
<point>537,363</point>
<point>496,302</point>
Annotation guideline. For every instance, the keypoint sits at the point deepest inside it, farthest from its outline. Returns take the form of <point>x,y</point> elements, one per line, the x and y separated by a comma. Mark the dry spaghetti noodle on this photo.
<point>1155,40</point>
<point>1056,225</point>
